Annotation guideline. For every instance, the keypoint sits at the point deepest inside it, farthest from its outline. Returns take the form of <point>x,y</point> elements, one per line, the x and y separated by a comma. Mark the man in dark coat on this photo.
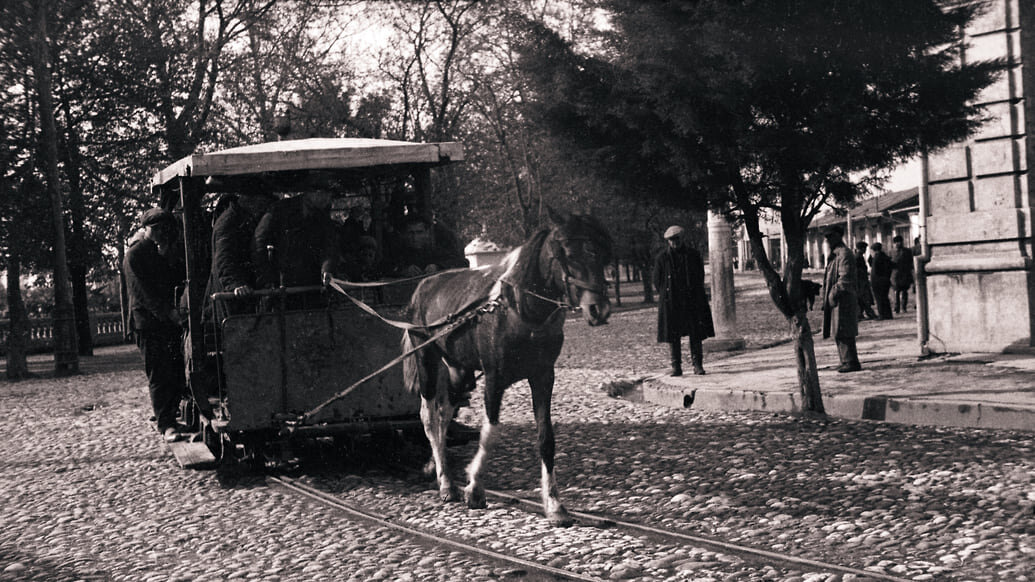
<point>232,232</point>
<point>865,295</point>
<point>424,248</point>
<point>296,242</point>
<point>880,280</point>
<point>151,282</point>
<point>902,273</point>
<point>840,301</point>
<point>683,309</point>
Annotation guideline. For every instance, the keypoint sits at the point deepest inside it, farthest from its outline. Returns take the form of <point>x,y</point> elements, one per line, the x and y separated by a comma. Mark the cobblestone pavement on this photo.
<point>91,494</point>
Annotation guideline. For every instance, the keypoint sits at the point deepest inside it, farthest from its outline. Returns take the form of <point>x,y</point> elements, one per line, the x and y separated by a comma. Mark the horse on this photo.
<point>517,334</point>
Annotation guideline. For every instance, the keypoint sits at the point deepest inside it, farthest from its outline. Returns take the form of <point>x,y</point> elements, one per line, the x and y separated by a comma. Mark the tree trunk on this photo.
<point>648,287</point>
<point>79,264</point>
<point>786,292</point>
<point>18,338</point>
<point>66,358</point>
<point>808,373</point>
<point>618,283</point>
<point>81,305</point>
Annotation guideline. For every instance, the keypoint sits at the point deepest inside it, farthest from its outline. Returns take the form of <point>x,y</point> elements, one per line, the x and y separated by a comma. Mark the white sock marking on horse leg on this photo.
<point>435,428</point>
<point>551,502</point>
<point>486,442</point>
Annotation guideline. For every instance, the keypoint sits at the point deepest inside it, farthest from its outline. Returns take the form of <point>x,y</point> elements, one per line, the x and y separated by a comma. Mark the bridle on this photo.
<point>571,283</point>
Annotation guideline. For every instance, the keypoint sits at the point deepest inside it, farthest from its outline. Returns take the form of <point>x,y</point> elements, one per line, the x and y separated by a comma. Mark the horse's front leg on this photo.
<point>474,493</point>
<point>435,413</point>
<point>542,394</point>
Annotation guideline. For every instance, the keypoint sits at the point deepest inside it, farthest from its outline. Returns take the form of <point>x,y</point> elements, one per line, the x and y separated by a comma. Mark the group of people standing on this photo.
<point>851,285</point>
<point>881,274</point>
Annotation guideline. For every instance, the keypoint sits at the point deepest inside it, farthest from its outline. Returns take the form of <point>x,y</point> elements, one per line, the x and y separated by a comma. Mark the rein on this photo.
<point>452,321</point>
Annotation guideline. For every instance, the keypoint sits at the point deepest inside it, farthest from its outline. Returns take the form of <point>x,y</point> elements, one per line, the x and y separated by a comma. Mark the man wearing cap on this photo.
<point>683,309</point>
<point>840,301</point>
<point>232,230</point>
<point>151,282</point>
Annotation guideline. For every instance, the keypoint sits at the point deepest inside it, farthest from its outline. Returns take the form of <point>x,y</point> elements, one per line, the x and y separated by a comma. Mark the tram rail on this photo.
<point>541,571</point>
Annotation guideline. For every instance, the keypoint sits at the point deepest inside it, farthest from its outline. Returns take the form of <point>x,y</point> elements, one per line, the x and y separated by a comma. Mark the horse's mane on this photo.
<point>521,270</point>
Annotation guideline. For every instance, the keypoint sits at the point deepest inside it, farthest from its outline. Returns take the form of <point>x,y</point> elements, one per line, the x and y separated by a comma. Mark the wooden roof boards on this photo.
<point>310,154</point>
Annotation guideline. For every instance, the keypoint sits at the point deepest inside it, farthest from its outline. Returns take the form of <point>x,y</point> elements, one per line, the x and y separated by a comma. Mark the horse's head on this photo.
<point>580,248</point>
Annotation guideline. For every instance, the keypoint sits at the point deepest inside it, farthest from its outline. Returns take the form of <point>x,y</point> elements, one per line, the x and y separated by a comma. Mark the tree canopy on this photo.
<point>754,107</point>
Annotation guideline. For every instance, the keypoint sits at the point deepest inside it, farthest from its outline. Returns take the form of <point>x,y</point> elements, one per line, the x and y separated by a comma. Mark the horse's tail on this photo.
<point>413,365</point>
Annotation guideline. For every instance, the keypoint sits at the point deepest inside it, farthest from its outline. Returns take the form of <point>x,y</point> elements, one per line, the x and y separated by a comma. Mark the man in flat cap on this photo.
<point>840,300</point>
<point>683,309</point>
<point>151,281</point>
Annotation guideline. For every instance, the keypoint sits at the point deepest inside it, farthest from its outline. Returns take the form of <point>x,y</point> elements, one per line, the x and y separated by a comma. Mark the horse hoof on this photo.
<point>449,494</point>
<point>475,499</point>
<point>560,518</point>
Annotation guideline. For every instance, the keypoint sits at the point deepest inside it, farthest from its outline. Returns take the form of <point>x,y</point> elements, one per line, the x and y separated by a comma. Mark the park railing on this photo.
<point>106,328</point>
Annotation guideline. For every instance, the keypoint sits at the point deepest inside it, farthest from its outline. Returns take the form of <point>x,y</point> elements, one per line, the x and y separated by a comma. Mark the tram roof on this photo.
<point>310,154</point>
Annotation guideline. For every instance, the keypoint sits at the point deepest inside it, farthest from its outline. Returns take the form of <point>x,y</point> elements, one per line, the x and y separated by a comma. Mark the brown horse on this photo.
<point>517,335</point>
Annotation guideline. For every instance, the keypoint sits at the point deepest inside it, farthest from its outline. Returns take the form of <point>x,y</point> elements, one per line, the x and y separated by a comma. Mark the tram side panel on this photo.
<point>289,363</point>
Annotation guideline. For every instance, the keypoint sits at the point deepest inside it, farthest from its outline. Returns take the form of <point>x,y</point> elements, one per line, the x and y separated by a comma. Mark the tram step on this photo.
<point>192,455</point>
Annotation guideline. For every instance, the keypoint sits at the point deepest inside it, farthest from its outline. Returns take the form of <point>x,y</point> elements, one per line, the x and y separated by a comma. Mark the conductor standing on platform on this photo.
<point>683,309</point>
<point>840,301</point>
<point>151,282</point>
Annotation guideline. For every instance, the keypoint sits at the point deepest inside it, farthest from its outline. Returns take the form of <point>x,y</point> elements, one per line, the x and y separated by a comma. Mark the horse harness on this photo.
<point>469,312</point>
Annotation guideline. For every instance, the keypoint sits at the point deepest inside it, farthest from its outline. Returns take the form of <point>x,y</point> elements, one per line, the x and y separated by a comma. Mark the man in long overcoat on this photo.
<point>683,309</point>
<point>840,300</point>
<point>901,273</point>
<point>880,280</point>
<point>151,281</point>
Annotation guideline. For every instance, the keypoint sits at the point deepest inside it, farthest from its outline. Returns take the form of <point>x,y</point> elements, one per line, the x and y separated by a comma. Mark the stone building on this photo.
<point>975,280</point>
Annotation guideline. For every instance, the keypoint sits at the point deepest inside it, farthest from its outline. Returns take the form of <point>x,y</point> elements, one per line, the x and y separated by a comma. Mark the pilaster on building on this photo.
<point>975,201</point>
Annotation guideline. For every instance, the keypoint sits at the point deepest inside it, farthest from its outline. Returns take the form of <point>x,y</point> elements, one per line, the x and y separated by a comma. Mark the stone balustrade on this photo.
<point>107,330</point>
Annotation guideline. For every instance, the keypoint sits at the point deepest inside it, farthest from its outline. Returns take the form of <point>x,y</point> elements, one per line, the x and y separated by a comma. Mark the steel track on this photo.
<point>369,516</point>
<point>753,554</point>
<point>756,555</point>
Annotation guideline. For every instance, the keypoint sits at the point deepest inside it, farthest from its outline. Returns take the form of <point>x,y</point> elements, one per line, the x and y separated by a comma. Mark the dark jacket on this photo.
<point>304,245</point>
<point>880,273</point>
<point>682,301</point>
<point>902,268</point>
<point>151,282</point>
<point>232,235</point>
<point>840,302</point>
<point>443,250</point>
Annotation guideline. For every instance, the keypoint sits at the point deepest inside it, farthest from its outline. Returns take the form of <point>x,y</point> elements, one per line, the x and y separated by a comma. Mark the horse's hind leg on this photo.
<point>435,414</point>
<point>542,394</point>
<point>474,493</point>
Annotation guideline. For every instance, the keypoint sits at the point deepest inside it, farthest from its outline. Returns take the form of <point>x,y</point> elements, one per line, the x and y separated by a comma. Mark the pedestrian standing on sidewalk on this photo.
<point>840,302</point>
<point>151,281</point>
<point>902,273</point>
<point>683,309</point>
<point>880,280</point>
<point>863,282</point>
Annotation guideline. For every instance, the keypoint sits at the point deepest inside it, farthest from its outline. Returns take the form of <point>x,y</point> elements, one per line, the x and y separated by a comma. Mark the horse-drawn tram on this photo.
<point>277,346</point>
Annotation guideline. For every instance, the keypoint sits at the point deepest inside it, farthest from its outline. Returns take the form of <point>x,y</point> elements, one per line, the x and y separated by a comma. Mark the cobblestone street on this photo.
<point>92,494</point>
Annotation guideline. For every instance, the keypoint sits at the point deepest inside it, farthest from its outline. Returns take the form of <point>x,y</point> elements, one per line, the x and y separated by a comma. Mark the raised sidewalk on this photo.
<point>895,385</point>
